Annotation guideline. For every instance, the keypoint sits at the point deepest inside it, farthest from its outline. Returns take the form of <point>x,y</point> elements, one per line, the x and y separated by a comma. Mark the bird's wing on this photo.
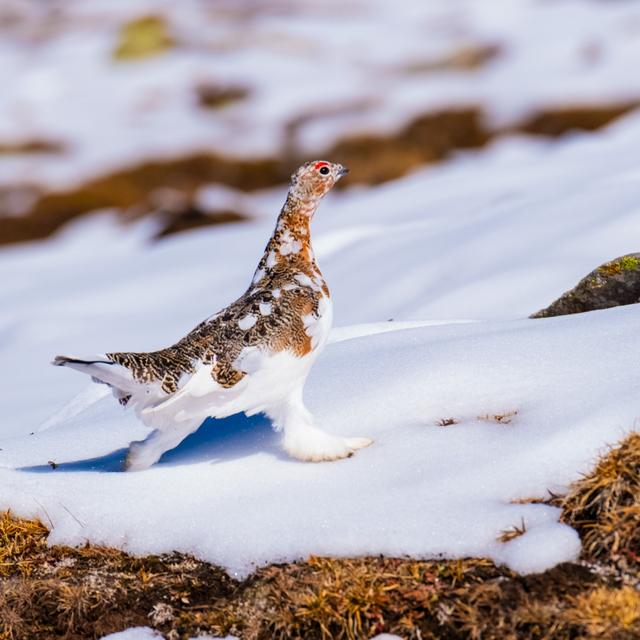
<point>198,397</point>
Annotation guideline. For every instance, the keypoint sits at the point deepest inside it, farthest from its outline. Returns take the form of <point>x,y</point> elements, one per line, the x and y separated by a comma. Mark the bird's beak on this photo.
<point>342,171</point>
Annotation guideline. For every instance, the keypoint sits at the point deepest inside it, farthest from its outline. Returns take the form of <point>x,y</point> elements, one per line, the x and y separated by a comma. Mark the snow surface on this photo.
<point>146,633</point>
<point>336,68</point>
<point>229,495</point>
<point>135,633</point>
<point>484,239</point>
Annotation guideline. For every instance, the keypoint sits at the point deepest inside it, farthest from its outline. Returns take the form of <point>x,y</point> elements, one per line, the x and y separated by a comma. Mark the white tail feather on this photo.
<point>101,369</point>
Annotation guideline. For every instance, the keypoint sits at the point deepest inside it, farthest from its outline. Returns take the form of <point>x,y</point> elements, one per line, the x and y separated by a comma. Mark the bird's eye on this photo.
<point>324,171</point>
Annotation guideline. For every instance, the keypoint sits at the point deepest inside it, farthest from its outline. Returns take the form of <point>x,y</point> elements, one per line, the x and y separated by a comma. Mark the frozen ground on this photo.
<point>487,238</point>
<point>336,68</point>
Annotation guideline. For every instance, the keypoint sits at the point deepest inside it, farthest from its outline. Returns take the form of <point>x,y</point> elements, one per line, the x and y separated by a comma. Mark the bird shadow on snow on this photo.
<point>231,438</point>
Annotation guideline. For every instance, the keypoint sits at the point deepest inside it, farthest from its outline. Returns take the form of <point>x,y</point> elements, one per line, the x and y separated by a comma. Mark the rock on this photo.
<point>612,284</point>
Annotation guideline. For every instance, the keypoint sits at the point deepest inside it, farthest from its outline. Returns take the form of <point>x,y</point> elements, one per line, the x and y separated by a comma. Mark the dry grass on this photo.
<point>499,418</point>
<point>31,146</point>
<point>556,122</point>
<point>467,58</point>
<point>513,532</point>
<point>21,542</point>
<point>607,612</point>
<point>60,592</point>
<point>132,190</point>
<point>605,506</point>
<point>214,96</point>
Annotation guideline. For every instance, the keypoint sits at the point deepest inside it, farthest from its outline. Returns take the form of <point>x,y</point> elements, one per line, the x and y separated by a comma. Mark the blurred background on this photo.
<point>177,112</point>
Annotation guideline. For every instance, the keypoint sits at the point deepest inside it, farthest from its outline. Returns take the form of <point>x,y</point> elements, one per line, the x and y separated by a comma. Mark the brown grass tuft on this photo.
<point>20,542</point>
<point>607,612</point>
<point>513,532</point>
<point>499,418</point>
<point>604,506</point>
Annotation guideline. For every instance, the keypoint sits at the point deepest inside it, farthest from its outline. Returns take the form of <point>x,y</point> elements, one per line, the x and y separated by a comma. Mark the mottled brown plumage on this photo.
<point>289,285</point>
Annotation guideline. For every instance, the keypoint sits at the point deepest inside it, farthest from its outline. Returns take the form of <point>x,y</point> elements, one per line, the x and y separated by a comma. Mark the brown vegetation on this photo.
<point>142,38</point>
<point>213,96</point>
<point>30,146</point>
<point>372,158</point>
<point>558,121</point>
<point>191,218</point>
<point>505,417</point>
<point>134,187</point>
<point>446,422</point>
<point>605,507</point>
<point>429,138</point>
<point>463,59</point>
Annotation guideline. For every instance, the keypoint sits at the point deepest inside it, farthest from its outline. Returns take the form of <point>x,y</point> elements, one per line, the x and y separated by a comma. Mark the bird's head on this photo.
<point>314,179</point>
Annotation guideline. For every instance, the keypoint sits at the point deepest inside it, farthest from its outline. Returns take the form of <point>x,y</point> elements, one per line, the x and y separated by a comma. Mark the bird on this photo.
<point>253,356</point>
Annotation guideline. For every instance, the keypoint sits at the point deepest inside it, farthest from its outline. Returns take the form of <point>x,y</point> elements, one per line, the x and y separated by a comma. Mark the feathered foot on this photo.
<point>144,453</point>
<point>314,445</point>
<point>303,441</point>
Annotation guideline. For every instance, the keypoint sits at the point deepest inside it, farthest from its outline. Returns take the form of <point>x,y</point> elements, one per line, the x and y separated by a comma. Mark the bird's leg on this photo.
<point>302,440</point>
<point>143,453</point>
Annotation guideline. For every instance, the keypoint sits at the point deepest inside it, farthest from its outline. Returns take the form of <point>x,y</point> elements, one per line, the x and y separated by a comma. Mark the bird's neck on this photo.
<point>290,243</point>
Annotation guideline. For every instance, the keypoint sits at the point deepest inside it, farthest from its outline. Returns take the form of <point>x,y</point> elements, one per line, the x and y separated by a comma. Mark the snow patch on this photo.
<point>435,491</point>
<point>540,548</point>
<point>135,633</point>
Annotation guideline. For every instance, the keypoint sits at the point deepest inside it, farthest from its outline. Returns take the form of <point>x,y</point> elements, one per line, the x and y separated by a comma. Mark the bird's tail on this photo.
<point>101,369</point>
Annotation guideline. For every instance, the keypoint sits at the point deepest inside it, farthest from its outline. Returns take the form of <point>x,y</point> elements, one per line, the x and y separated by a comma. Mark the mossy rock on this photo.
<point>142,38</point>
<point>612,284</point>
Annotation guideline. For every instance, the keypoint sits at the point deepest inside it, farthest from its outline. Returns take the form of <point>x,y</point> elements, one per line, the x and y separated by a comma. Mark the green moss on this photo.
<point>613,268</point>
<point>629,263</point>
<point>142,38</point>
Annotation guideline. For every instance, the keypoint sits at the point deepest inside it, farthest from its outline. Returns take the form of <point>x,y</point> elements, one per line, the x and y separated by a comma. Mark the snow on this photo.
<point>135,633</point>
<point>336,69</point>
<point>432,278</point>
<point>540,549</point>
<point>146,633</point>
<point>229,495</point>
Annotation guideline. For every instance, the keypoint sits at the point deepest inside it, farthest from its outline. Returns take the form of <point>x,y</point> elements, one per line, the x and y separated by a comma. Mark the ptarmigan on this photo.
<point>253,356</point>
